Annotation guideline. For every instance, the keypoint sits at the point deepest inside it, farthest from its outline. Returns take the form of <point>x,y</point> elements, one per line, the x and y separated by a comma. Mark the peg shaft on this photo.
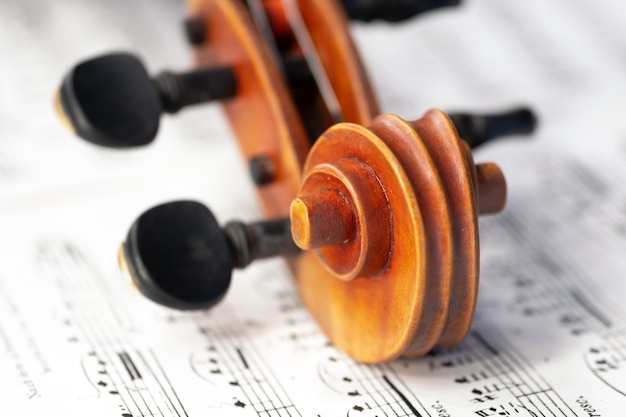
<point>259,240</point>
<point>201,86</point>
<point>477,129</point>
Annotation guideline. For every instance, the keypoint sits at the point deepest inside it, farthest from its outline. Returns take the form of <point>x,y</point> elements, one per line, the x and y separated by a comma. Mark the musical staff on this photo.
<point>373,390</point>
<point>111,363</point>
<point>232,363</point>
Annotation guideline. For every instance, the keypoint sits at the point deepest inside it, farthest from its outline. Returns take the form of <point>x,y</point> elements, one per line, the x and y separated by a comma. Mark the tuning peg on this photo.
<point>392,10</point>
<point>177,255</point>
<point>477,129</point>
<point>112,101</point>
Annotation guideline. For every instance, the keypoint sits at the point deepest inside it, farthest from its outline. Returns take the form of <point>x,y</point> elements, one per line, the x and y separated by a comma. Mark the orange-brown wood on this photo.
<point>368,214</point>
<point>389,211</point>
<point>369,318</point>
<point>456,169</point>
<point>322,218</point>
<point>407,280</point>
<point>262,114</point>
<point>491,198</point>
<point>327,24</point>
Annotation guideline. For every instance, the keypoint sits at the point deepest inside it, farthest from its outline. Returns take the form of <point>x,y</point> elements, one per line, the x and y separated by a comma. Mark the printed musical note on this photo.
<point>607,361</point>
<point>232,365</point>
<point>372,389</point>
<point>111,364</point>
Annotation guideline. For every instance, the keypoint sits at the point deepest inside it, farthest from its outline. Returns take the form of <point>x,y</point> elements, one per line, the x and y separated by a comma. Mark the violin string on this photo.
<point>312,58</point>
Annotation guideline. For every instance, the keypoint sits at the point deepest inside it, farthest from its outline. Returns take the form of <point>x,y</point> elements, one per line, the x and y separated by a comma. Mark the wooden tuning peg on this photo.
<point>112,101</point>
<point>177,255</point>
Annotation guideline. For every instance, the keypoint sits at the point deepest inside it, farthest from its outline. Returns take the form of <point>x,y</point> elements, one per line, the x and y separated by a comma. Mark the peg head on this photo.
<point>177,255</point>
<point>110,101</point>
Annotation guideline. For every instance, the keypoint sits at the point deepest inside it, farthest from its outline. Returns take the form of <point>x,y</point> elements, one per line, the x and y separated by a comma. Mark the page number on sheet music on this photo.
<point>441,412</point>
<point>592,412</point>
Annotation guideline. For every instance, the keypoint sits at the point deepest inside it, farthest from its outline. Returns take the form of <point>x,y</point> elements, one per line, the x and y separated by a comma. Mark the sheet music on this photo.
<point>549,337</point>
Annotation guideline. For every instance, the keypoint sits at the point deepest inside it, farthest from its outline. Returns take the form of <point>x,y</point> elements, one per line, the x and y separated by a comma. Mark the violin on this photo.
<point>375,215</point>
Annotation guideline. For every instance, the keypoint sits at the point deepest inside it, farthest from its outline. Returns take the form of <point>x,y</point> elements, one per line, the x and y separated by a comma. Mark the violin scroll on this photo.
<point>351,174</point>
<point>390,211</point>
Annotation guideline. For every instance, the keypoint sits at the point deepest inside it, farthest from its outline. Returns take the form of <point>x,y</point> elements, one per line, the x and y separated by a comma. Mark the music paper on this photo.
<point>549,335</point>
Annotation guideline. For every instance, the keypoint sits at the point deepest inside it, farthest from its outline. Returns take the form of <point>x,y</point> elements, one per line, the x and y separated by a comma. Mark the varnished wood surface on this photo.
<point>327,24</point>
<point>262,114</point>
<point>389,210</point>
<point>406,281</point>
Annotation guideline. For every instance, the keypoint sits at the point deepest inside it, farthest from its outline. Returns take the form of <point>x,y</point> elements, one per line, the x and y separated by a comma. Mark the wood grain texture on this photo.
<point>327,24</point>
<point>407,281</point>
<point>262,115</point>
<point>389,211</point>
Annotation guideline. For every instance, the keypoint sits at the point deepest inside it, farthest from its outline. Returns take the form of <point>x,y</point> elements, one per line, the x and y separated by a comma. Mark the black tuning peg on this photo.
<point>477,129</point>
<point>392,10</point>
<point>177,255</point>
<point>112,101</point>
